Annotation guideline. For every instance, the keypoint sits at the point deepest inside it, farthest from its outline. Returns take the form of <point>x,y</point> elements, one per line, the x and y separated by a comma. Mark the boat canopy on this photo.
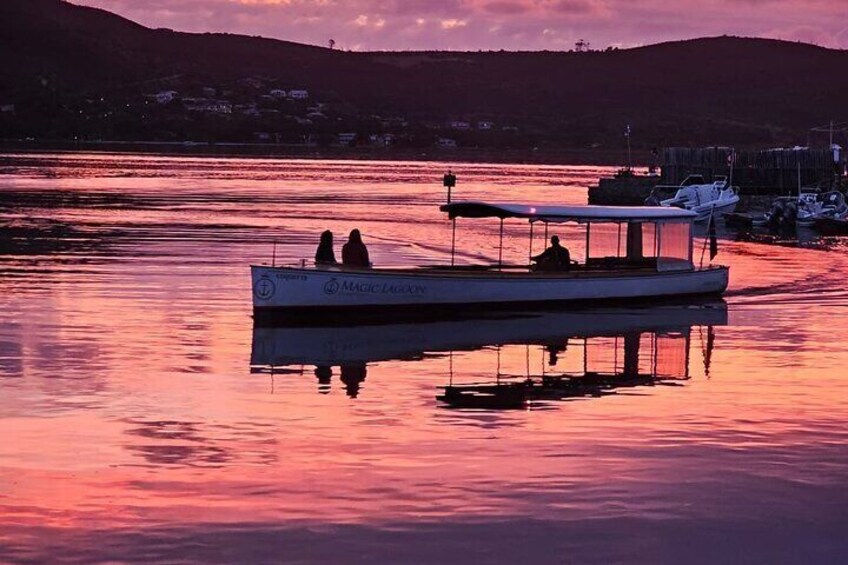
<point>558,214</point>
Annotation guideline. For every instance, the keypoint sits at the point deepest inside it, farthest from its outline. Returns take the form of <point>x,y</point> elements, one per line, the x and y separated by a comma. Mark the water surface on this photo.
<point>144,418</point>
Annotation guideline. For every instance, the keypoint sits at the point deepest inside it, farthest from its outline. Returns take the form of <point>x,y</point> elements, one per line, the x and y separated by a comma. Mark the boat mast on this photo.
<point>500,248</point>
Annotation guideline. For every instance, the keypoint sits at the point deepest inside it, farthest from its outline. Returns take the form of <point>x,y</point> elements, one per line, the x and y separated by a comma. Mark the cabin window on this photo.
<point>674,246</point>
<point>649,240</point>
<point>607,243</point>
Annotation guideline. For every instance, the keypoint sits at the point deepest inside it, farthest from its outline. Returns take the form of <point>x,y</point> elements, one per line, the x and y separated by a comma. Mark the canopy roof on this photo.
<point>566,213</point>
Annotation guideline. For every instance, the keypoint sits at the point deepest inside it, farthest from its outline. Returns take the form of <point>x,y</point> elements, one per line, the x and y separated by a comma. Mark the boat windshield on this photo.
<point>665,246</point>
<point>693,179</point>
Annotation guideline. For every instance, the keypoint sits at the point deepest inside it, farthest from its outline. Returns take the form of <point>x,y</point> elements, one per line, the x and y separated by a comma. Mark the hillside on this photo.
<point>74,72</point>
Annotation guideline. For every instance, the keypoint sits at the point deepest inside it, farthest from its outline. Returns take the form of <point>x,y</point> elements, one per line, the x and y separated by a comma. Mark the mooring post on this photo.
<point>449,181</point>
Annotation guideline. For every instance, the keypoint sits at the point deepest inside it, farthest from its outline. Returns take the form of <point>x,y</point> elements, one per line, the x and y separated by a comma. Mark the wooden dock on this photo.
<point>767,171</point>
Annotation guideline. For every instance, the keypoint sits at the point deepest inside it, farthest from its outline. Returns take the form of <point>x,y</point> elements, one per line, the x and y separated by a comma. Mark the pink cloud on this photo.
<point>494,24</point>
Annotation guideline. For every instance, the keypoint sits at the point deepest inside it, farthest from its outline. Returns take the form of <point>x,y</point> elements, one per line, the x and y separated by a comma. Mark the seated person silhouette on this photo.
<point>354,252</point>
<point>325,255</point>
<point>554,258</point>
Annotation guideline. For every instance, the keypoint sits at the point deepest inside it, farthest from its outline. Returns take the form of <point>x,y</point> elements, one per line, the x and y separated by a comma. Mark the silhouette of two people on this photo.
<point>354,252</point>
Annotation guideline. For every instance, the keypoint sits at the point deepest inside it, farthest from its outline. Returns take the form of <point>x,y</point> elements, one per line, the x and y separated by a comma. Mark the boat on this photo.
<point>804,210</point>
<point>637,253</point>
<point>701,197</point>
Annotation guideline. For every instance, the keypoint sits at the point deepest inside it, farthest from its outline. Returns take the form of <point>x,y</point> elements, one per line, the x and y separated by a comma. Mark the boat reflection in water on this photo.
<point>580,353</point>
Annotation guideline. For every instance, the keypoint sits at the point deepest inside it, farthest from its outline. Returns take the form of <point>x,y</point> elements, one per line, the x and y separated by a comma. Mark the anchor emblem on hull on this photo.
<point>331,287</point>
<point>264,288</point>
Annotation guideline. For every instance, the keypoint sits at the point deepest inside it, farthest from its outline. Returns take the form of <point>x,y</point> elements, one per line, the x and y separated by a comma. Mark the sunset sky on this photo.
<point>495,24</point>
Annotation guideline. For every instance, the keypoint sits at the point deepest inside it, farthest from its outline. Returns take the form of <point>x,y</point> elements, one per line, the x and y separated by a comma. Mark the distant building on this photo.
<point>207,106</point>
<point>485,125</point>
<point>460,125</point>
<point>209,92</point>
<point>382,139</point>
<point>7,108</point>
<point>446,142</point>
<point>298,94</point>
<point>278,94</point>
<point>347,139</point>
<point>166,96</point>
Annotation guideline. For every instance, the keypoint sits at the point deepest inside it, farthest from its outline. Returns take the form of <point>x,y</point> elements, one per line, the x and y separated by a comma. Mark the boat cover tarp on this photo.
<point>546,213</point>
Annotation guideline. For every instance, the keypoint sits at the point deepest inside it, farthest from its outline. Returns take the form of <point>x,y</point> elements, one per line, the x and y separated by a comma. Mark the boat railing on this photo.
<point>593,265</point>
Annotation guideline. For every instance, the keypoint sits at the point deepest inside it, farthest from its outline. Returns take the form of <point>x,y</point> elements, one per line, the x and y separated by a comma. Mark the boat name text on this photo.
<point>333,286</point>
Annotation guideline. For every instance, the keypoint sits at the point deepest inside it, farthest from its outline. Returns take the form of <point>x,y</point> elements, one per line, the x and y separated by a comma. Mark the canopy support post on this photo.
<point>500,248</point>
<point>453,241</point>
<point>531,244</point>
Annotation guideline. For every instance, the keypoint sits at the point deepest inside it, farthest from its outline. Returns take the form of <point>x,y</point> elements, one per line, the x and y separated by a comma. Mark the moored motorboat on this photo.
<point>651,258</point>
<point>703,198</point>
<point>804,210</point>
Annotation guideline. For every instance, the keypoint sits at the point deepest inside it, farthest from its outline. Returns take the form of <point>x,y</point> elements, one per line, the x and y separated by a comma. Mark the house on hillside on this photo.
<point>298,94</point>
<point>165,96</point>
<point>382,139</point>
<point>460,125</point>
<point>446,143</point>
<point>209,91</point>
<point>207,106</point>
<point>347,139</point>
<point>278,94</point>
<point>485,125</point>
<point>7,108</point>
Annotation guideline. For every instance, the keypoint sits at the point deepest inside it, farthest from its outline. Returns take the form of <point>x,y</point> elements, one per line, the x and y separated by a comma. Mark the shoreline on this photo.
<point>540,156</point>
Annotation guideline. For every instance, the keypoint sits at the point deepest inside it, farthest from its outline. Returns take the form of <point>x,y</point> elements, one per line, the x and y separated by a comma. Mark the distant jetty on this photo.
<point>765,172</point>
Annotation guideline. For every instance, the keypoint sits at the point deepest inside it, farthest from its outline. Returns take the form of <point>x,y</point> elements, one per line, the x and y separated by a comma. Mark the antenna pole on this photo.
<point>274,255</point>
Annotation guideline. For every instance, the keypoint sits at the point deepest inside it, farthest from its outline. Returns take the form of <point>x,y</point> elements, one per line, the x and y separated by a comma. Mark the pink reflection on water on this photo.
<point>127,400</point>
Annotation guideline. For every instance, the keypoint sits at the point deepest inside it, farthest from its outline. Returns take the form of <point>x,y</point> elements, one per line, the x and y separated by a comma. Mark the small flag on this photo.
<point>713,239</point>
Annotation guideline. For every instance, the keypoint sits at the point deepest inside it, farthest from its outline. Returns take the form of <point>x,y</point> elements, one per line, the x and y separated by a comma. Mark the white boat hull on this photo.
<point>334,289</point>
<point>716,210</point>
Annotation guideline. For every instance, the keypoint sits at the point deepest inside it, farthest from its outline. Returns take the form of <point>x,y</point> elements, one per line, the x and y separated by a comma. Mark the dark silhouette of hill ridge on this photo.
<point>720,90</point>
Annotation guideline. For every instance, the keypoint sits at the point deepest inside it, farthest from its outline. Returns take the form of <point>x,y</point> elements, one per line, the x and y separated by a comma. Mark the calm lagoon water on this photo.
<point>144,418</point>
